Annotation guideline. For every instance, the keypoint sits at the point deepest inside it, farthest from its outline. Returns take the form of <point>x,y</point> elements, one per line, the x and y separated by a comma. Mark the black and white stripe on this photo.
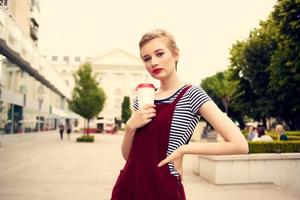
<point>185,117</point>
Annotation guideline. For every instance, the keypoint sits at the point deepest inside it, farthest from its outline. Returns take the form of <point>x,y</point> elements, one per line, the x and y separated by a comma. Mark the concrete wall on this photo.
<point>281,169</point>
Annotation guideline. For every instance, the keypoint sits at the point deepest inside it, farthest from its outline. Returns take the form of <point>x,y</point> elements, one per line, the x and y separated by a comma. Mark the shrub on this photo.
<point>274,147</point>
<point>292,135</point>
<point>86,138</point>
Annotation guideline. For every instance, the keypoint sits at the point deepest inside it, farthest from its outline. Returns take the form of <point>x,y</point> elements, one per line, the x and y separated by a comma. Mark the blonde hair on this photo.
<point>279,128</point>
<point>160,33</point>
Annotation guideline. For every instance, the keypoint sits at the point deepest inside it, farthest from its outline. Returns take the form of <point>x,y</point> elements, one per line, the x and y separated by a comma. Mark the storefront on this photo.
<point>26,104</point>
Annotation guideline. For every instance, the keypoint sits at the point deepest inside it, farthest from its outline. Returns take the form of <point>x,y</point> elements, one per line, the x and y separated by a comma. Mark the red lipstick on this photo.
<point>157,70</point>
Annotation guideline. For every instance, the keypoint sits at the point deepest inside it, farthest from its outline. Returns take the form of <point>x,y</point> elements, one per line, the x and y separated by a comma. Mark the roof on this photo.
<point>117,57</point>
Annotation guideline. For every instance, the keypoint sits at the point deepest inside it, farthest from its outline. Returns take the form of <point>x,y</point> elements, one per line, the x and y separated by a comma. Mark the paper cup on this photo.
<point>145,94</point>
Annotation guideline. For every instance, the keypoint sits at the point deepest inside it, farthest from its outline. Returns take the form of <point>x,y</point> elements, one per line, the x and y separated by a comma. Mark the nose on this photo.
<point>154,62</point>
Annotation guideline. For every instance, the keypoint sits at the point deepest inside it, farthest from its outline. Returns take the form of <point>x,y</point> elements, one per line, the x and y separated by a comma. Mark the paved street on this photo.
<point>42,167</point>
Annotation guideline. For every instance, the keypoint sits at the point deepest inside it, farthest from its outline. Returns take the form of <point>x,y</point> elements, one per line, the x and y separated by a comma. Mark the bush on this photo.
<point>86,138</point>
<point>292,135</point>
<point>274,147</point>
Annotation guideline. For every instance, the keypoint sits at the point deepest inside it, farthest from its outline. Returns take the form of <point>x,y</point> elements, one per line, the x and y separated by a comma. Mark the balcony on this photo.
<point>34,32</point>
<point>20,48</point>
<point>35,15</point>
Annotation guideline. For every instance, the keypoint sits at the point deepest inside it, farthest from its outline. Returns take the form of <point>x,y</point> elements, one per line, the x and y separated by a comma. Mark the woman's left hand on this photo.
<point>176,158</point>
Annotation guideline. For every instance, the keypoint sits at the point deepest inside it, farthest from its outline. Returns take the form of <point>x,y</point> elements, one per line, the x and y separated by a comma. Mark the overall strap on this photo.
<point>181,94</point>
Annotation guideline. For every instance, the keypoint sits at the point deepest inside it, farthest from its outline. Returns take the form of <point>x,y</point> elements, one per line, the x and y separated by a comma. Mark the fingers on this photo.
<point>180,172</point>
<point>163,162</point>
<point>176,158</point>
<point>148,113</point>
<point>180,177</point>
<point>143,116</point>
<point>145,107</point>
<point>177,168</point>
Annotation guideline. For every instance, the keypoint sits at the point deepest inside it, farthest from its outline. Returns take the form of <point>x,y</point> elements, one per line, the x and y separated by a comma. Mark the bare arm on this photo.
<point>138,119</point>
<point>235,142</point>
<point>127,141</point>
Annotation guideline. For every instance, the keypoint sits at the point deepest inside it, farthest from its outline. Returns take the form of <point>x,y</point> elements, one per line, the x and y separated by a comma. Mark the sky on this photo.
<point>204,30</point>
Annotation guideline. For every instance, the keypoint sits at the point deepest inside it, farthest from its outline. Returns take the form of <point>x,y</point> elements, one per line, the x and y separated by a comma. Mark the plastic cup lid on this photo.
<point>143,85</point>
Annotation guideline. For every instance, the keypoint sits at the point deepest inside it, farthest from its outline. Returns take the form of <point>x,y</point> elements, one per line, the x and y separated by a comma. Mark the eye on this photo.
<point>146,58</point>
<point>160,54</point>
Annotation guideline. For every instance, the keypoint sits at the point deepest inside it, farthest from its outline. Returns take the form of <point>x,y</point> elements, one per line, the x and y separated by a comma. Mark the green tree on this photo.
<point>250,60</point>
<point>126,111</point>
<point>267,65</point>
<point>87,97</point>
<point>206,85</point>
<point>221,86</point>
<point>285,66</point>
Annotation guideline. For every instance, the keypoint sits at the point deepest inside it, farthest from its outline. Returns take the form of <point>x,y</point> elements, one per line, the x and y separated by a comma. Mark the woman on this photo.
<point>69,129</point>
<point>281,133</point>
<point>261,135</point>
<point>156,136</point>
<point>252,133</point>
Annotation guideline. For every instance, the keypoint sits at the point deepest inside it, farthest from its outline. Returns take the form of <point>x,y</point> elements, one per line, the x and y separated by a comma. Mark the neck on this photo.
<point>170,83</point>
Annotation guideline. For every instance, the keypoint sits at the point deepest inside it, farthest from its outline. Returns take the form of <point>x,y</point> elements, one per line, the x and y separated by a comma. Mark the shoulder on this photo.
<point>196,91</point>
<point>194,88</point>
<point>197,97</point>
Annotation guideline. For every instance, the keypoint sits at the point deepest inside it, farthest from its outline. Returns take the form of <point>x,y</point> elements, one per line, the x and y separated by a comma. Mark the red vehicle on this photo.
<point>110,128</point>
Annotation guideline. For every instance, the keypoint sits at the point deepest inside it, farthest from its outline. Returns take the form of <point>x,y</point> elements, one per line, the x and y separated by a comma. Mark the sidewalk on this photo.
<point>42,167</point>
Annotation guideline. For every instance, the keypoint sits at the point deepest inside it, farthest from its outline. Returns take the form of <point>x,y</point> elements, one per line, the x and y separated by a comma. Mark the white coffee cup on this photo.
<point>145,94</point>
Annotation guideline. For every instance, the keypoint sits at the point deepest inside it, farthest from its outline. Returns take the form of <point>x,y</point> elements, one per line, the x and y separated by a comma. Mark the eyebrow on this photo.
<point>157,50</point>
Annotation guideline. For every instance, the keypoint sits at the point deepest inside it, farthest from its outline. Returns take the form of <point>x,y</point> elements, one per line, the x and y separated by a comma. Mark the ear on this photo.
<point>176,54</point>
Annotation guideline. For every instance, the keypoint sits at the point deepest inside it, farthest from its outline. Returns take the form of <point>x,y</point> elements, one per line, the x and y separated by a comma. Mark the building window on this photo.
<point>35,3</point>
<point>54,58</point>
<point>118,103</point>
<point>136,77</point>
<point>23,89</point>
<point>22,74</point>
<point>118,91</point>
<point>66,58</point>
<point>101,76</point>
<point>3,2</point>
<point>34,30</point>
<point>77,59</point>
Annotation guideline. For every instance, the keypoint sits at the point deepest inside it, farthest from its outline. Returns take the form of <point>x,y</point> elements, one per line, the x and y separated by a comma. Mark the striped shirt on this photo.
<point>185,117</point>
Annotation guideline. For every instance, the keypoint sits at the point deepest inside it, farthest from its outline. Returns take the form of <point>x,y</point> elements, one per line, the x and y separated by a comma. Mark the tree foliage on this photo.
<point>220,86</point>
<point>87,97</point>
<point>285,67</point>
<point>267,66</point>
<point>126,111</point>
<point>250,60</point>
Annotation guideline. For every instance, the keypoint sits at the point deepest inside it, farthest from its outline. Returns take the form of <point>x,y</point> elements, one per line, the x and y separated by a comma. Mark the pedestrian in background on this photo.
<point>61,131</point>
<point>252,133</point>
<point>261,135</point>
<point>281,133</point>
<point>69,129</point>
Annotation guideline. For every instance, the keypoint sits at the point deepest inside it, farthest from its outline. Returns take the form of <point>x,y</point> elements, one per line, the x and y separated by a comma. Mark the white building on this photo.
<point>32,95</point>
<point>117,71</point>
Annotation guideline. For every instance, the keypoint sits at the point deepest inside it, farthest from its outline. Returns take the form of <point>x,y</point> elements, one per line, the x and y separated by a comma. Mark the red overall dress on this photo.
<point>141,179</point>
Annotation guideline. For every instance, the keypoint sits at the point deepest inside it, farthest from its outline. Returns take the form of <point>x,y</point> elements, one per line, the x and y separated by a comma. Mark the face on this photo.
<point>158,58</point>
